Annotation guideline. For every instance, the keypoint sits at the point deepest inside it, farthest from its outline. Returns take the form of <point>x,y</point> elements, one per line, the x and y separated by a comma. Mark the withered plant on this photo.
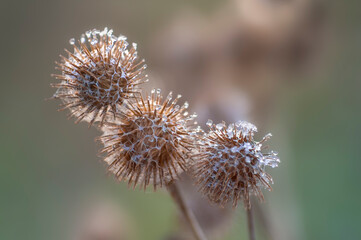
<point>230,165</point>
<point>98,76</point>
<point>150,140</point>
<point>150,143</point>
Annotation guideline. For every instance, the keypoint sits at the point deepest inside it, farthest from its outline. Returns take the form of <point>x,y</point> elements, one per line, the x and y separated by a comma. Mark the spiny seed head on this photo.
<point>150,142</point>
<point>98,76</point>
<point>230,165</point>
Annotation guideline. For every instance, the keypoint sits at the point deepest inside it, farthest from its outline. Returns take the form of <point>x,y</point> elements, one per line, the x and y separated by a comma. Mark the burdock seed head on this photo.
<point>149,143</point>
<point>230,165</point>
<point>98,76</point>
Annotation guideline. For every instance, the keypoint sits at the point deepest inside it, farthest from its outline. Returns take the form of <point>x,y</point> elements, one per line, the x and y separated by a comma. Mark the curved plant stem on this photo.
<point>250,224</point>
<point>174,191</point>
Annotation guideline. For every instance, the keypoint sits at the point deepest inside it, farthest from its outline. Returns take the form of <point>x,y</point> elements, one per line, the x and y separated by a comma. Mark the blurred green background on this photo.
<point>51,179</point>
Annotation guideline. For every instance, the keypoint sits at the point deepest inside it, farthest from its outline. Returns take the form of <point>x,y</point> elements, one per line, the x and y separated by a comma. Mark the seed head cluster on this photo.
<point>229,164</point>
<point>150,142</point>
<point>98,76</point>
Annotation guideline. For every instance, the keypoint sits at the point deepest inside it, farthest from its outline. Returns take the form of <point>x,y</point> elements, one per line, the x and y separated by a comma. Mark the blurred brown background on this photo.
<point>290,66</point>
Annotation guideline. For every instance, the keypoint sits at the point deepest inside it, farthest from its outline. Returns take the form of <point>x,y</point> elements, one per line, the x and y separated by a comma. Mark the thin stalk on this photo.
<point>263,220</point>
<point>250,224</point>
<point>174,191</point>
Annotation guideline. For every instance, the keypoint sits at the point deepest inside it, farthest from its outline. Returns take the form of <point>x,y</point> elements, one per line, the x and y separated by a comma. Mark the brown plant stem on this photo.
<point>250,224</point>
<point>263,220</point>
<point>174,191</point>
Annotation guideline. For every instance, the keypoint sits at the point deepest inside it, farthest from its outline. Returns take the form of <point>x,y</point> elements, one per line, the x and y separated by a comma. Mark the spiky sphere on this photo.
<point>150,142</point>
<point>98,76</point>
<point>229,164</point>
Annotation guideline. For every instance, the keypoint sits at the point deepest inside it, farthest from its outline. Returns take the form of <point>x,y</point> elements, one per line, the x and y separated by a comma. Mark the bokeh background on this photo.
<point>290,66</point>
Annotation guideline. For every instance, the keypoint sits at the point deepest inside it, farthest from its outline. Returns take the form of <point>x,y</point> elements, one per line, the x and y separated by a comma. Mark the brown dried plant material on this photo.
<point>98,76</point>
<point>150,142</point>
<point>230,165</point>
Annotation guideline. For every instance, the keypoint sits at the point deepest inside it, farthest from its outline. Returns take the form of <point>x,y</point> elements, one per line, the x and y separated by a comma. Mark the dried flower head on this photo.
<point>230,165</point>
<point>150,142</point>
<point>98,76</point>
